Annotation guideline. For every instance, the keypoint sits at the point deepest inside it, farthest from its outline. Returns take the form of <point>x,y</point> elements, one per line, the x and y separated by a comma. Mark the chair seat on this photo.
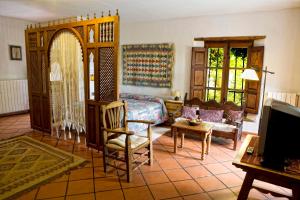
<point>119,142</point>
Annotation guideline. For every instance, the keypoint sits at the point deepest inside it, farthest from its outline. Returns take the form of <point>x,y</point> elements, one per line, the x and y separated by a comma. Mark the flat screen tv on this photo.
<point>279,132</point>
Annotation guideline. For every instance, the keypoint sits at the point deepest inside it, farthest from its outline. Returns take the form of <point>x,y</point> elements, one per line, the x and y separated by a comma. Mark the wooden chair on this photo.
<point>117,138</point>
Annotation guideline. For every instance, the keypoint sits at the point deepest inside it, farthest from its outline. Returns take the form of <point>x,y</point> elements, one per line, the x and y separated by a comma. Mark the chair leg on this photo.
<point>128,158</point>
<point>235,140</point>
<point>150,154</point>
<point>105,160</point>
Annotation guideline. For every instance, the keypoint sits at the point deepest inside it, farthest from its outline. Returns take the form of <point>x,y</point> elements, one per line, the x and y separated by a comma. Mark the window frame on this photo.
<point>226,45</point>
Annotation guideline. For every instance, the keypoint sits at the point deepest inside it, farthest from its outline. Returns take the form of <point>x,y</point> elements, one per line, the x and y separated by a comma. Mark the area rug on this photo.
<point>26,163</point>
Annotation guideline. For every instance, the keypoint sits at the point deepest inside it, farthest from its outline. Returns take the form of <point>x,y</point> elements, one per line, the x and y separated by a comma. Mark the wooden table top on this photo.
<point>183,124</point>
<point>245,161</point>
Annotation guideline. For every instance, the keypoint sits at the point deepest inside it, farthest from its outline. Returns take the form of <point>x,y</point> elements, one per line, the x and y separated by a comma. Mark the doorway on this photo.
<point>67,95</point>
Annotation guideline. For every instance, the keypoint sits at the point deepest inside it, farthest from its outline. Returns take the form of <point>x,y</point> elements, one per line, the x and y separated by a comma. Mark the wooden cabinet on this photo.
<point>174,109</point>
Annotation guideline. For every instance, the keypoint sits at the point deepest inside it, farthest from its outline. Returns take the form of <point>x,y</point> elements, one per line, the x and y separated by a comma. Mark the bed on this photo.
<point>144,107</point>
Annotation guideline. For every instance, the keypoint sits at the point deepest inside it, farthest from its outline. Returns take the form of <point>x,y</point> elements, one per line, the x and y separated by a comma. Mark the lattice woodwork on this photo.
<point>106,32</point>
<point>105,49</point>
<point>91,37</point>
<point>44,73</point>
<point>32,37</point>
<point>35,73</point>
<point>106,74</point>
<point>50,33</point>
<point>79,29</point>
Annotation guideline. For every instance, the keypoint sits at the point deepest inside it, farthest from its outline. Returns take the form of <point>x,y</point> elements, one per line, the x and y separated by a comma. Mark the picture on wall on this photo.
<point>15,52</point>
<point>148,65</point>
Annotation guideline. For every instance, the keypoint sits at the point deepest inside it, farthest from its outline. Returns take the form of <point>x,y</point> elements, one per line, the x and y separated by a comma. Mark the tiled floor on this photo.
<point>172,176</point>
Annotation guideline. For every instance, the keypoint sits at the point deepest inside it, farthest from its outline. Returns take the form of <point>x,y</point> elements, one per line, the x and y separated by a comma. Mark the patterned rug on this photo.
<point>26,163</point>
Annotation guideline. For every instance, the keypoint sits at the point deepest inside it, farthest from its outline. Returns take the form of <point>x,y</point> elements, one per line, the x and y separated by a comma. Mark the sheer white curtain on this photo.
<point>67,83</point>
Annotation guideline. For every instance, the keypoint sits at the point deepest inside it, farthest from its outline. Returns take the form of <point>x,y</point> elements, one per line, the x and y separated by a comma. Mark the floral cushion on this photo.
<point>189,112</point>
<point>211,115</point>
<point>234,116</point>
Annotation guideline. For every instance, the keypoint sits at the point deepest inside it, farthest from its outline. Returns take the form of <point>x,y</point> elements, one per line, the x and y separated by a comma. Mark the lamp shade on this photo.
<point>249,74</point>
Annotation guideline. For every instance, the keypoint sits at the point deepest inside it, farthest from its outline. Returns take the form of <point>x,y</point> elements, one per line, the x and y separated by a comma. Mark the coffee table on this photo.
<point>203,130</point>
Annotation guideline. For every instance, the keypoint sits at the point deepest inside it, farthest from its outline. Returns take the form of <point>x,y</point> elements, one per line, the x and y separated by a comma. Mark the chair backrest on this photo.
<point>114,115</point>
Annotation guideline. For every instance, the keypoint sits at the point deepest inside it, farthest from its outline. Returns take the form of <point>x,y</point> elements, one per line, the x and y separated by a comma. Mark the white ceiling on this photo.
<point>136,10</point>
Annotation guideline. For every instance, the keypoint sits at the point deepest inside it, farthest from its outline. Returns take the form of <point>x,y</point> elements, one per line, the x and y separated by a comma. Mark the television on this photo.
<point>279,134</point>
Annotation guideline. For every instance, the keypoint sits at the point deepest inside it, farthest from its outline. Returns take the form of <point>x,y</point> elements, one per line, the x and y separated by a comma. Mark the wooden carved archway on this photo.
<point>104,46</point>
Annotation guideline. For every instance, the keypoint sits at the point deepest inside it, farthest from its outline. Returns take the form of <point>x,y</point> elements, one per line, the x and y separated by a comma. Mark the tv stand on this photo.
<point>250,163</point>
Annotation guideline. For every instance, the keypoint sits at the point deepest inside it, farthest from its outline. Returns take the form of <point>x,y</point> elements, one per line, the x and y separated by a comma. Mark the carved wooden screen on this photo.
<point>99,39</point>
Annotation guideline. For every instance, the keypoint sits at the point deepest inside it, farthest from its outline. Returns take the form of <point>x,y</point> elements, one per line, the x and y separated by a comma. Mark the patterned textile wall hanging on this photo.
<point>148,65</point>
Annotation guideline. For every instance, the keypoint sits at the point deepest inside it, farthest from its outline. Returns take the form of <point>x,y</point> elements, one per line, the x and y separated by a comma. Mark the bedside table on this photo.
<point>173,106</point>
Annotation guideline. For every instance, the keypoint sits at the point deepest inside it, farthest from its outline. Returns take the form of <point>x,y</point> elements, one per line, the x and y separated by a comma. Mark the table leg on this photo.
<point>246,187</point>
<point>182,140</point>
<point>174,132</point>
<point>296,191</point>
<point>203,147</point>
<point>208,142</point>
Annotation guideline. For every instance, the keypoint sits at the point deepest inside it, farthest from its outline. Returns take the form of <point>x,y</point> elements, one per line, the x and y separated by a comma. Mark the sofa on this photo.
<point>229,123</point>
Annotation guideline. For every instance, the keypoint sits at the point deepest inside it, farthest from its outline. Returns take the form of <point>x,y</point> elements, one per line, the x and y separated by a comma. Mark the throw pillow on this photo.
<point>211,115</point>
<point>189,112</point>
<point>234,116</point>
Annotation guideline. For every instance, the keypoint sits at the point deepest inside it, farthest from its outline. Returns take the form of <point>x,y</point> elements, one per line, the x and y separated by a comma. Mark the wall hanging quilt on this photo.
<point>148,65</point>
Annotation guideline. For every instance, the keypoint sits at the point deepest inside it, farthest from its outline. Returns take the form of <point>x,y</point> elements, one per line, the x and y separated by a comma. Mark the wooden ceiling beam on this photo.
<point>231,38</point>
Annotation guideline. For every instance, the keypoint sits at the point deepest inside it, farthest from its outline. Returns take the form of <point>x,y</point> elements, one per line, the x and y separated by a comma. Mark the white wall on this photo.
<point>12,33</point>
<point>282,44</point>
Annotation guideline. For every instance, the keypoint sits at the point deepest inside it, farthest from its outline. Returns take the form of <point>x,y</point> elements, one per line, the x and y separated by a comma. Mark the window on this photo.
<point>225,63</point>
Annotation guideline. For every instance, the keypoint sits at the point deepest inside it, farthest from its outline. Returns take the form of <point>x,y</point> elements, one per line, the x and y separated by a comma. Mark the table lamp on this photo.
<point>176,95</point>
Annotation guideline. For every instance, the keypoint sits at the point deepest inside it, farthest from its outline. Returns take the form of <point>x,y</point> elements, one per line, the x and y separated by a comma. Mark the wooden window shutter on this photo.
<point>198,73</point>
<point>256,56</point>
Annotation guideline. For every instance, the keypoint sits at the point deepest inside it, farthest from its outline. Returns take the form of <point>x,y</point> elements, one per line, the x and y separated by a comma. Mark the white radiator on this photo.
<point>291,98</point>
<point>13,96</point>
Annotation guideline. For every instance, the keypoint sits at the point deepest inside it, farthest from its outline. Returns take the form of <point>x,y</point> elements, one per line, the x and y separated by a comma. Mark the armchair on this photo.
<point>117,138</point>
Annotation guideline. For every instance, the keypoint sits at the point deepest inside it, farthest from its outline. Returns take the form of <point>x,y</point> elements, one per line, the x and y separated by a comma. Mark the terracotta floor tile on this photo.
<point>153,168</point>
<point>210,183</point>
<point>187,162</point>
<point>217,168</point>
<point>138,193</point>
<point>155,177</point>
<point>202,196</point>
<point>62,178</point>
<point>107,183</point>
<point>231,167</point>
<point>253,194</point>
<point>98,162</point>
<point>28,196</point>
<point>111,195</point>
<point>177,174</point>
<point>224,194</point>
<point>80,174</point>
<point>170,163</point>
<point>187,187</point>
<point>80,187</point>
<point>163,191</point>
<point>52,190</point>
<point>99,172</point>
<point>137,180</point>
<point>89,196</point>
<point>198,171</point>
<point>230,179</point>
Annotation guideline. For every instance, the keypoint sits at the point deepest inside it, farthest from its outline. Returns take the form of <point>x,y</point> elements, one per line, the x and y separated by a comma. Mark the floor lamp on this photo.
<point>250,74</point>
